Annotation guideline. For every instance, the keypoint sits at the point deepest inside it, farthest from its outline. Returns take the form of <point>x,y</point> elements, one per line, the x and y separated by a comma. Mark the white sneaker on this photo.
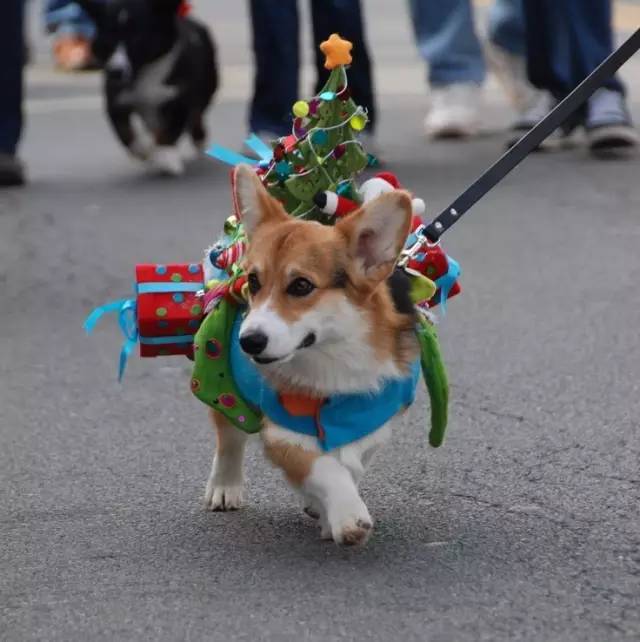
<point>511,73</point>
<point>454,111</point>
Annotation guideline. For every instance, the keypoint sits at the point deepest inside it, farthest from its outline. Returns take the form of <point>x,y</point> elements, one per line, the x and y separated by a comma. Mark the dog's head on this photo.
<point>143,30</point>
<point>318,294</point>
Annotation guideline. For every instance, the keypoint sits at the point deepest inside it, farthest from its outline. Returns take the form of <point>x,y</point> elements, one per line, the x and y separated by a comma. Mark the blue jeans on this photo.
<point>447,38</point>
<point>11,63</point>
<point>566,41</point>
<point>67,17</point>
<point>276,54</point>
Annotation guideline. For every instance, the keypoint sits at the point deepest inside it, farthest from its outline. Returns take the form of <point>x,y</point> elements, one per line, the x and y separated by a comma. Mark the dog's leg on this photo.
<point>198,132</point>
<point>347,516</point>
<point>342,513</point>
<point>310,506</point>
<point>142,144</point>
<point>129,129</point>
<point>172,120</point>
<point>168,160</point>
<point>225,487</point>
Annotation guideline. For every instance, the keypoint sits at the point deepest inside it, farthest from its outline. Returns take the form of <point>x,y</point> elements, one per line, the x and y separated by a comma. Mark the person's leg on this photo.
<point>566,41</point>
<point>274,25</point>
<point>548,43</point>
<point>11,64</point>
<point>590,22</point>
<point>506,26</point>
<point>447,40</point>
<point>345,18</point>
<point>506,54</point>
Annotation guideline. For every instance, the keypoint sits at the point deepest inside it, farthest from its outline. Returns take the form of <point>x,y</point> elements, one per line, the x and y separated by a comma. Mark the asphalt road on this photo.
<point>523,526</point>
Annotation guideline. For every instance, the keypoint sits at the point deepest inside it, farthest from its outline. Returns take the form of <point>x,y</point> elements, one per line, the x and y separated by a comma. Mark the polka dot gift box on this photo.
<point>169,311</point>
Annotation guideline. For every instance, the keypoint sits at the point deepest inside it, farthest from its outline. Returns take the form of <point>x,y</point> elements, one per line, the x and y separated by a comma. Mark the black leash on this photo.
<point>531,139</point>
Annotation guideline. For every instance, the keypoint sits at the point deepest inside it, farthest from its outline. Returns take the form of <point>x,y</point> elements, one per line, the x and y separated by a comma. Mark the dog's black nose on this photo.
<point>254,343</point>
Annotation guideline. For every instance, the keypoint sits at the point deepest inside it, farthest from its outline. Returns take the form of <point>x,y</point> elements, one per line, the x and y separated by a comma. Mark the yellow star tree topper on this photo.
<point>336,51</point>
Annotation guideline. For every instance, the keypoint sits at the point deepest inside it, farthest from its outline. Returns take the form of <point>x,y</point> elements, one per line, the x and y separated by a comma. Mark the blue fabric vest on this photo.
<point>344,417</point>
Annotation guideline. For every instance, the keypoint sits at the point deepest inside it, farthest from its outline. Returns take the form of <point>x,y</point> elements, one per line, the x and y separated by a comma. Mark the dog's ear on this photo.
<point>254,205</point>
<point>376,234</point>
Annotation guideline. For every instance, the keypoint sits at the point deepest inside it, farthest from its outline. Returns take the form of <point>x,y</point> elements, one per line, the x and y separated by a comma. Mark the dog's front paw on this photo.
<point>222,498</point>
<point>167,160</point>
<point>354,533</point>
<point>141,150</point>
<point>350,525</point>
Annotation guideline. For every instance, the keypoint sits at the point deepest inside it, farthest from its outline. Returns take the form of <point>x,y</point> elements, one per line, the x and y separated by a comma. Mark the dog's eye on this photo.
<point>300,287</point>
<point>254,283</point>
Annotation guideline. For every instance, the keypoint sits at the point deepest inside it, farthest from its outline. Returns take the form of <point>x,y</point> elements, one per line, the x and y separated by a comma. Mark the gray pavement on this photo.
<point>523,526</point>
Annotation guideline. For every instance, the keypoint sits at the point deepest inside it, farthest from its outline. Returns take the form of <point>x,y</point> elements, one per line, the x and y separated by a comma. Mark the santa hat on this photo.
<point>387,182</point>
<point>383,182</point>
<point>332,203</point>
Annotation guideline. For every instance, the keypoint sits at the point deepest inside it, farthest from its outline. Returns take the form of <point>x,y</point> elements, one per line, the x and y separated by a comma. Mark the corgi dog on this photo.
<point>160,74</point>
<point>329,320</point>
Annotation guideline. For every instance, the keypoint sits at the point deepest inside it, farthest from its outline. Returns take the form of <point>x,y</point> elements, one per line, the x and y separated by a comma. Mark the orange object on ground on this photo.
<point>72,53</point>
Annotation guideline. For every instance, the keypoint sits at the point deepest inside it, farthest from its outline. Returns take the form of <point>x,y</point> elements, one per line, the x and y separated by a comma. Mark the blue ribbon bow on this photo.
<point>126,309</point>
<point>447,281</point>
<point>128,321</point>
<point>232,158</point>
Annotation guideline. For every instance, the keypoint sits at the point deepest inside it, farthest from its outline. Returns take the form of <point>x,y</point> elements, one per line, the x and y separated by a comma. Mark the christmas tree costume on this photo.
<point>312,172</point>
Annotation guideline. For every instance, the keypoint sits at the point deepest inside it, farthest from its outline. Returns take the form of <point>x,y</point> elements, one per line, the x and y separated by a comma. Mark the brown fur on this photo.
<point>354,258</point>
<point>325,255</point>
<point>294,460</point>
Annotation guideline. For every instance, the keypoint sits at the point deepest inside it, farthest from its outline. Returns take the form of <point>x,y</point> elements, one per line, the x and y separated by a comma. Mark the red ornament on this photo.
<point>278,152</point>
<point>184,9</point>
<point>339,151</point>
<point>298,128</point>
<point>344,93</point>
<point>234,293</point>
<point>433,263</point>
<point>290,142</point>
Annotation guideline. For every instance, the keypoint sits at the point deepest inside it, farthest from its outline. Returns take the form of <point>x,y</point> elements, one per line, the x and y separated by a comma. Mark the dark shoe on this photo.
<point>608,123</point>
<point>11,171</point>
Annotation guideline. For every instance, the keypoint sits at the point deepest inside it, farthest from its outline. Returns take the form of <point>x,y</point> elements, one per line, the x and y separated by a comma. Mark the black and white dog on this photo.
<point>160,73</point>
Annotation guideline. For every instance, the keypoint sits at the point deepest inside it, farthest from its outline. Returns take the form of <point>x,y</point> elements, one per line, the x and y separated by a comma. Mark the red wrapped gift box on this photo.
<point>169,312</point>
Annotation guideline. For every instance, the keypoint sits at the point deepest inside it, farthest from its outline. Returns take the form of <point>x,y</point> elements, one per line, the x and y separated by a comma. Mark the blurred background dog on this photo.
<point>160,74</point>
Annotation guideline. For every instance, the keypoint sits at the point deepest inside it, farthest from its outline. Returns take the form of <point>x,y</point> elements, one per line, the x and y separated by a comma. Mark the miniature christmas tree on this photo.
<point>312,173</point>
<point>322,152</point>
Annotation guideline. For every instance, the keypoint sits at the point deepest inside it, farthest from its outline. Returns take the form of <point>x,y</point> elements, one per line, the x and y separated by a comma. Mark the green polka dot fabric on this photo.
<point>212,380</point>
<point>435,378</point>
